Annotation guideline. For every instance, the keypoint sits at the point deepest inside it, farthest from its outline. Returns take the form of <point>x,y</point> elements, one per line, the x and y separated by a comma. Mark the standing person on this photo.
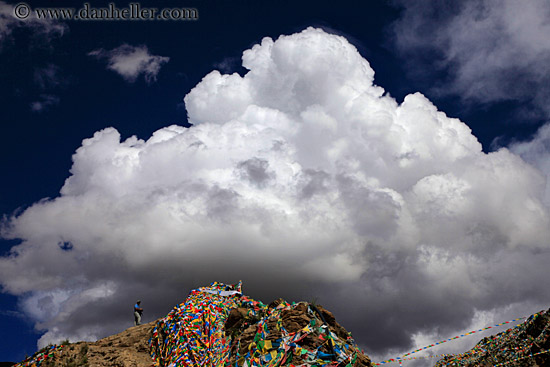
<point>138,311</point>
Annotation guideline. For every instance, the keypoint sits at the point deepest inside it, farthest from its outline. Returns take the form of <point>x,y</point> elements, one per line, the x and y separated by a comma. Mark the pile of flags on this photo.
<point>314,344</point>
<point>192,334</point>
<point>283,334</point>
<point>45,356</point>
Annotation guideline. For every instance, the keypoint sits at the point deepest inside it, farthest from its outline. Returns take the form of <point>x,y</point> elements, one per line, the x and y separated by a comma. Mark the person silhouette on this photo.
<point>138,311</point>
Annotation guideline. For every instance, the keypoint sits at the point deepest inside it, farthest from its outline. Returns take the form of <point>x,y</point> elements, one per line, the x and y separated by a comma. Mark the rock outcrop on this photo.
<point>219,326</point>
<point>526,345</point>
<point>129,348</point>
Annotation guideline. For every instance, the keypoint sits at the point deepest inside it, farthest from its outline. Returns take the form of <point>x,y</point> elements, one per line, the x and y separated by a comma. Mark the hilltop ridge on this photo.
<point>128,348</point>
<point>219,326</point>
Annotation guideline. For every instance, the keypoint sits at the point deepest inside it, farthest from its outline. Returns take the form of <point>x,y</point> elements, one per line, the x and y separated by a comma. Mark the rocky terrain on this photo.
<point>218,326</point>
<point>215,329</point>
<point>129,348</point>
<point>292,319</point>
<point>526,345</point>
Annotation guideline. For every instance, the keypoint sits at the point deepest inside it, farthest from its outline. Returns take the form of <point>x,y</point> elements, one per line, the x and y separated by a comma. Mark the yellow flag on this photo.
<point>268,345</point>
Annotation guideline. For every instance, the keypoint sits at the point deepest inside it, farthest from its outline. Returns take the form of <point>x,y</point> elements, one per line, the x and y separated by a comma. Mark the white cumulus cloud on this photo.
<point>303,179</point>
<point>132,61</point>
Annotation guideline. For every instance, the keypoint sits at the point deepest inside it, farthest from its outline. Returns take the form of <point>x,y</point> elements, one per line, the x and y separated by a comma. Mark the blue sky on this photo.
<point>304,174</point>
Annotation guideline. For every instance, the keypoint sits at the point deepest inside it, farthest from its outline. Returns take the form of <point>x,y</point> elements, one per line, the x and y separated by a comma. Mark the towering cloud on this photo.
<point>305,180</point>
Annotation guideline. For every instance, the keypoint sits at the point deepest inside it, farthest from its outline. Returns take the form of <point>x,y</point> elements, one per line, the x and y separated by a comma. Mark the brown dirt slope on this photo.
<point>129,348</point>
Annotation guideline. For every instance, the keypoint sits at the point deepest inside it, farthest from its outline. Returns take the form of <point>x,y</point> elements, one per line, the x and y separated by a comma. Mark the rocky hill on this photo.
<point>526,345</point>
<point>219,326</point>
<point>129,348</point>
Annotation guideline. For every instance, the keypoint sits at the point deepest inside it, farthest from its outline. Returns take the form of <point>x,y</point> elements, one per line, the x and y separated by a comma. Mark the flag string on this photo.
<point>403,357</point>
